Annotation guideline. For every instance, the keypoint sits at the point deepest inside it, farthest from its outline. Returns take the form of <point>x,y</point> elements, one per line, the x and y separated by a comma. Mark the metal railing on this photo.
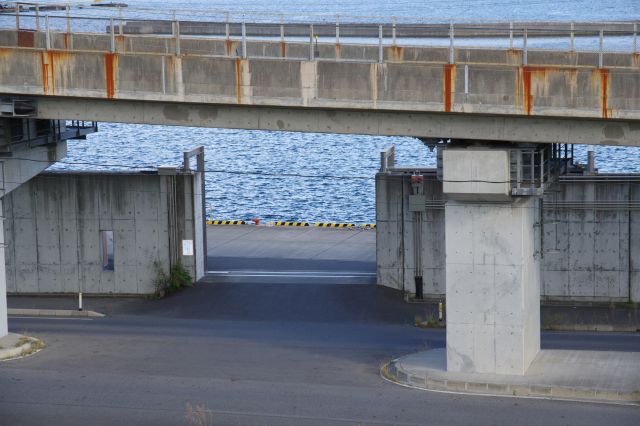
<point>534,169</point>
<point>318,30</point>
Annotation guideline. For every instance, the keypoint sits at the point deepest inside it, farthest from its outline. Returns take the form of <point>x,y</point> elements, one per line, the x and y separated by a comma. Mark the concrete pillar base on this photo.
<point>493,287</point>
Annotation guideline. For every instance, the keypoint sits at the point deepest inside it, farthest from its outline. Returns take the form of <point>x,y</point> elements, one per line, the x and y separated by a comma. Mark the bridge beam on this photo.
<point>346,121</point>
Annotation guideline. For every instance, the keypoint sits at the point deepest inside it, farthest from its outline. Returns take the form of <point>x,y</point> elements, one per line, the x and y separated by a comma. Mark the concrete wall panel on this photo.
<point>54,224</point>
<point>590,252</point>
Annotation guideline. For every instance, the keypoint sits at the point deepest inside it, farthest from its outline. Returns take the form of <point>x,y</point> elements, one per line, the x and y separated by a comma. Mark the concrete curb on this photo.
<point>609,328</point>
<point>592,327</point>
<point>392,373</point>
<point>29,348</point>
<point>54,313</point>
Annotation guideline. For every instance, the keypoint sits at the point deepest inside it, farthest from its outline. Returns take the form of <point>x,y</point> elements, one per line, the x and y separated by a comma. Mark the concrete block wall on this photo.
<point>394,236</point>
<point>592,253</point>
<point>53,223</point>
<point>591,249</point>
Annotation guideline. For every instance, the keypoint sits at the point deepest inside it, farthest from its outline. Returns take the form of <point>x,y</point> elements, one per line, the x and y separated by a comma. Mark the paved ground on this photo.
<point>291,249</point>
<point>286,352</point>
<point>292,355</point>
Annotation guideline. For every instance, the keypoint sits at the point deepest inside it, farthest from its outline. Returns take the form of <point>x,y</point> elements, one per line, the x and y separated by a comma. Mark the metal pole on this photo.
<point>311,56</point>
<point>48,34</point>
<point>393,31</point>
<point>18,16</point>
<point>120,29</point>
<point>68,12</point>
<point>572,43</point>
<point>380,50</point>
<point>532,169</point>
<point>226,25</point>
<point>37,17</point>
<point>542,168</point>
<point>337,29</point>
<point>510,35</point>
<point>244,40</point>
<point>635,38</point>
<point>451,58</point>
<point>281,33</point>
<point>591,161</point>
<point>601,46</point>
<point>466,79</point>
<point>186,157</point>
<point>524,47</point>
<point>113,36</point>
<point>176,27</point>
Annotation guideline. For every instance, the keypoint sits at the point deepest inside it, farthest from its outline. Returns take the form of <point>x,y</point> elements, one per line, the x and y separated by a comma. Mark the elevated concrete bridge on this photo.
<point>516,95</point>
<point>490,102</point>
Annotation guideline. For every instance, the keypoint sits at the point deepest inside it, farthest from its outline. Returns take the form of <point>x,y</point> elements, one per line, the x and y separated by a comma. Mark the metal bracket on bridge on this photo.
<point>17,107</point>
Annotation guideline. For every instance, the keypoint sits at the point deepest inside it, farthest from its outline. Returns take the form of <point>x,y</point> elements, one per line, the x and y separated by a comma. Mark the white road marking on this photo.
<point>294,274</point>
<point>51,318</point>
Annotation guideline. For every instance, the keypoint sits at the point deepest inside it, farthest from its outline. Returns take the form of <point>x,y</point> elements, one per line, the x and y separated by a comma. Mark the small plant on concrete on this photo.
<point>22,341</point>
<point>165,283</point>
<point>199,415</point>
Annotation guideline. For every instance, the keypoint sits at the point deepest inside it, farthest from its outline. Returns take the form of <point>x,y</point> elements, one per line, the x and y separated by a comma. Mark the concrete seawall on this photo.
<point>590,248</point>
<point>54,227</point>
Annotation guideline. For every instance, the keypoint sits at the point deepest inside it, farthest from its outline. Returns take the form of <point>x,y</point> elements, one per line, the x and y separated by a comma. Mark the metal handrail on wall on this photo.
<point>387,31</point>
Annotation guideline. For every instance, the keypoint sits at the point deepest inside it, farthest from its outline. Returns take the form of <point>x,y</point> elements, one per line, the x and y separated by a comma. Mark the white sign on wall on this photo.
<point>187,247</point>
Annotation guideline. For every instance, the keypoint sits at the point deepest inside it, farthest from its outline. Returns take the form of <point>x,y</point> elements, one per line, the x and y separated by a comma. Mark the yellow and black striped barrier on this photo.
<point>334,225</point>
<point>226,222</point>
<point>295,224</point>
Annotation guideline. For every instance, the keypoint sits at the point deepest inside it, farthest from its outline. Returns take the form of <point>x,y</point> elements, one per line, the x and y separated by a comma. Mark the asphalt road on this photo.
<point>239,353</point>
<point>289,331</point>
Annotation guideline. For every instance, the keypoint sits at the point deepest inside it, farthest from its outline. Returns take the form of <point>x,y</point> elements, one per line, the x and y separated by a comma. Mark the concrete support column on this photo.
<point>492,267</point>
<point>3,279</point>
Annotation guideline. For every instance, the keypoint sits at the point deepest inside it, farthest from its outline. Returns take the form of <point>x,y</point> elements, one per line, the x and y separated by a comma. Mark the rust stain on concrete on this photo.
<point>48,62</point>
<point>283,49</point>
<point>514,56</point>
<point>110,67</point>
<point>518,87</point>
<point>635,60</point>
<point>228,46</point>
<point>65,37</point>
<point>338,51</point>
<point>397,53</point>
<point>44,69</point>
<point>603,75</point>
<point>571,78</point>
<point>121,45</point>
<point>238,80</point>
<point>26,38</point>
<point>531,76</point>
<point>449,85</point>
